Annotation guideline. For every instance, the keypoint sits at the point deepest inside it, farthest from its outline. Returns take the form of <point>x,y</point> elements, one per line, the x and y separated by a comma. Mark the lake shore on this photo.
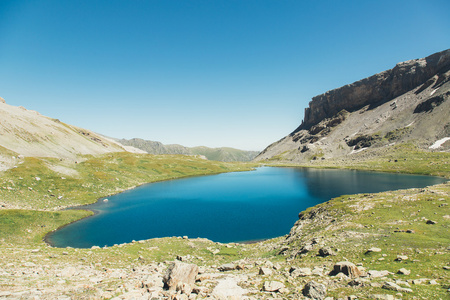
<point>361,222</point>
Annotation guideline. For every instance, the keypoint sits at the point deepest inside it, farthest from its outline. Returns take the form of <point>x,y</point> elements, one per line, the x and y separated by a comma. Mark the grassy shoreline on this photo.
<point>360,221</point>
<point>33,186</point>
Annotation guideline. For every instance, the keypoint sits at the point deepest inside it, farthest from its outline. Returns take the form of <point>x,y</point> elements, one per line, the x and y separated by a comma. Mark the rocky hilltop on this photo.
<point>405,103</point>
<point>28,133</point>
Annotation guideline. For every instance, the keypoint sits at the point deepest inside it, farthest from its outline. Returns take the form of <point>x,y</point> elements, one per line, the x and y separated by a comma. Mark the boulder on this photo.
<point>347,268</point>
<point>181,275</point>
<point>227,267</point>
<point>326,251</point>
<point>373,249</point>
<point>395,287</point>
<point>300,272</point>
<point>228,288</point>
<point>265,271</point>
<point>382,297</point>
<point>315,290</point>
<point>404,271</point>
<point>401,257</point>
<point>377,274</point>
<point>272,286</point>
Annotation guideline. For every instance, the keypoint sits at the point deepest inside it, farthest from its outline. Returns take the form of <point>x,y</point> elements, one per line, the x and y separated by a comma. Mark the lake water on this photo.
<point>230,207</point>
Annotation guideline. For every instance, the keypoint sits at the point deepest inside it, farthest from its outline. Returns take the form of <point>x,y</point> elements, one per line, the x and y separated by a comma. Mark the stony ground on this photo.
<point>334,251</point>
<point>391,245</point>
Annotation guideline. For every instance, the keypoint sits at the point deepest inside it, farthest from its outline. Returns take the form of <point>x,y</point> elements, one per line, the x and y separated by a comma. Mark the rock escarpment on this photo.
<point>406,103</point>
<point>378,88</point>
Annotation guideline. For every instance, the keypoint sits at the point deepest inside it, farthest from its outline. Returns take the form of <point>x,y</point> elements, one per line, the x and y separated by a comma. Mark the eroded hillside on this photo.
<point>28,133</point>
<point>408,103</point>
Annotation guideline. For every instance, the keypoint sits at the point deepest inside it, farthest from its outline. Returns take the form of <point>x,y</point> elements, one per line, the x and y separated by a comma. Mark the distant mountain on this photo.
<point>28,133</point>
<point>406,104</point>
<point>219,154</point>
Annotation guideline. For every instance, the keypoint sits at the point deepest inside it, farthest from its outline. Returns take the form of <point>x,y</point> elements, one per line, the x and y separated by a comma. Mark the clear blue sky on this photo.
<point>235,73</point>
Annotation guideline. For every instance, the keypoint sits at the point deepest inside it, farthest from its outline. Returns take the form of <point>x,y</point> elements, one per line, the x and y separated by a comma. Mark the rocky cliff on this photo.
<point>377,89</point>
<point>405,103</point>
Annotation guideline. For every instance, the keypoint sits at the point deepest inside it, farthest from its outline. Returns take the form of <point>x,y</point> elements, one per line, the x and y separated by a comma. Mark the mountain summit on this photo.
<point>408,103</point>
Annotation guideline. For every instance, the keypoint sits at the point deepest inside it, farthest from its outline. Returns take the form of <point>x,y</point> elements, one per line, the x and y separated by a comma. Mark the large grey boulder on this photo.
<point>180,276</point>
<point>326,251</point>
<point>346,268</point>
<point>315,290</point>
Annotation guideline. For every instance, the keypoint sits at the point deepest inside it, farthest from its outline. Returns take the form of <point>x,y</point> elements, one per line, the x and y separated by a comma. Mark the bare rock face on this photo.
<point>2,100</point>
<point>408,103</point>
<point>181,276</point>
<point>375,89</point>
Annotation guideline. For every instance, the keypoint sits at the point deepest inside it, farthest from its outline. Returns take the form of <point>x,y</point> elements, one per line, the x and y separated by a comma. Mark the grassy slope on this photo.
<point>38,193</point>
<point>224,153</point>
<point>361,221</point>
<point>403,158</point>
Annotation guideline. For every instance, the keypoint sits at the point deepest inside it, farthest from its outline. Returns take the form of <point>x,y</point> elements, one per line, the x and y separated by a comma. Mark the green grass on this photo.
<point>359,221</point>
<point>381,220</point>
<point>35,188</point>
<point>407,158</point>
<point>28,227</point>
<point>96,177</point>
<point>402,158</point>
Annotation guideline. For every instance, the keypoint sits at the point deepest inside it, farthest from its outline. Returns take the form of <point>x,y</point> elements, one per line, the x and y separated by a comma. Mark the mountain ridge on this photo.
<point>226,154</point>
<point>405,104</point>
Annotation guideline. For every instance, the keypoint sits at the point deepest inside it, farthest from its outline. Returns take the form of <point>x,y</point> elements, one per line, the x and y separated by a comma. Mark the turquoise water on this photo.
<point>230,207</point>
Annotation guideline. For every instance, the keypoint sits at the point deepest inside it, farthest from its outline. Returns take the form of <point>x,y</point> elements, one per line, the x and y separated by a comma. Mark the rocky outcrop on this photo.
<point>376,89</point>
<point>406,103</point>
<point>346,268</point>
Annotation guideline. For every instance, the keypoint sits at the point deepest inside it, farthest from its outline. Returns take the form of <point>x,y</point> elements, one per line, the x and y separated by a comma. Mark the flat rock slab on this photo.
<point>228,288</point>
<point>272,286</point>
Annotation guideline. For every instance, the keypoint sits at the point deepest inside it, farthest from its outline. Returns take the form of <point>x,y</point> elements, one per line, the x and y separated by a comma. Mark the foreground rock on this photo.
<point>228,288</point>
<point>181,277</point>
<point>315,290</point>
<point>346,268</point>
<point>395,287</point>
<point>273,286</point>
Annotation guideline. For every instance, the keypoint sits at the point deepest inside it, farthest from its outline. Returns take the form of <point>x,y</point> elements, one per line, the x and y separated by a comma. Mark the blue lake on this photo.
<point>230,207</point>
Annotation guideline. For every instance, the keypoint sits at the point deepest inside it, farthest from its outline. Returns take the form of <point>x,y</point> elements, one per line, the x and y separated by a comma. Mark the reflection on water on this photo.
<point>228,207</point>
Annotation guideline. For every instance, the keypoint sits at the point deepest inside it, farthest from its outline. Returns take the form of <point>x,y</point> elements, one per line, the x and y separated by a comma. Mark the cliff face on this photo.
<point>405,103</point>
<point>376,89</point>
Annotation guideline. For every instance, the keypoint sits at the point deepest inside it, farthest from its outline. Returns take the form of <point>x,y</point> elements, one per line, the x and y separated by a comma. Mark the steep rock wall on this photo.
<point>376,89</point>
